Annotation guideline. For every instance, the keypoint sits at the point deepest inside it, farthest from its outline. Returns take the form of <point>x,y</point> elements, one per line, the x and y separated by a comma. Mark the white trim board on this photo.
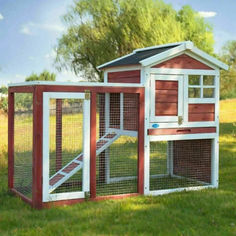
<point>182,48</point>
<point>179,79</point>
<point>46,139</point>
<point>154,138</point>
<point>183,71</point>
<point>167,191</point>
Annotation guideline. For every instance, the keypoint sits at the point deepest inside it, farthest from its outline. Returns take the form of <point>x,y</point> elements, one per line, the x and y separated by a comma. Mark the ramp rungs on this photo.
<point>77,163</point>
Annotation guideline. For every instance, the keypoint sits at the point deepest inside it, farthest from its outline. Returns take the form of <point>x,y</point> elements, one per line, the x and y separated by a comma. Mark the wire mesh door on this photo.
<point>180,164</point>
<point>117,144</point>
<point>66,127</point>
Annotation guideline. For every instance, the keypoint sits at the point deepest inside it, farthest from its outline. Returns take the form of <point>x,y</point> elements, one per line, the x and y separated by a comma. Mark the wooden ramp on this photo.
<point>77,163</point>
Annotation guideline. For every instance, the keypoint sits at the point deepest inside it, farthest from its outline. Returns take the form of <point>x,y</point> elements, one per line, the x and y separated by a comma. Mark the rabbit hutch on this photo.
<point>152,127</point>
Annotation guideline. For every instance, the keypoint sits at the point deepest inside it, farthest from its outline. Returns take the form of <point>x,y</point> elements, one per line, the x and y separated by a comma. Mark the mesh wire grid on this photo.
<point>116,167</point>
<point>177,164</point>
<point>23,143</point>
<point>66,141</point>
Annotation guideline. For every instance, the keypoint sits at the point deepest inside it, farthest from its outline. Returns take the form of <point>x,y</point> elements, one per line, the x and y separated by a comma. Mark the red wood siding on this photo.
<point>131,111</point>
<point>192,159</point>
<point>132,76</point>
<point>166,98</point>
<point>201,112</point>
<point>183,62</point>
<point>190,130</point>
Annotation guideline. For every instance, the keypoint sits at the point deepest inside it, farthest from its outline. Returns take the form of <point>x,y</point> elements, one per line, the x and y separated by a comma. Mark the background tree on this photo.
<point>4,90</point>
<point>44,76</point>
<point>101,30</point>
<point>228,78</point>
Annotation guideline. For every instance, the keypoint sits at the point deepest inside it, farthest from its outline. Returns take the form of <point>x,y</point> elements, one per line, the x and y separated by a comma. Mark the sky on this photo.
<point>29,30</point>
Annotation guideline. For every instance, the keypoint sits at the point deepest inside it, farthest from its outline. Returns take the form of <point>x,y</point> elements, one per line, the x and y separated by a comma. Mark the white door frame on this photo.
<point>46,146</point>
<point>180,80</point>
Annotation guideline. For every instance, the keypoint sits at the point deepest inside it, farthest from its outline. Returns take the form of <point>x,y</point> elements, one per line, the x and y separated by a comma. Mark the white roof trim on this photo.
<point>163,55</point>
<point>143,49</point>
<point>117,59</point>
<point>160,46</point>
<point>87,84</point>
<point>184,46</point>
<point>209,58</point>
<point>180,47</point>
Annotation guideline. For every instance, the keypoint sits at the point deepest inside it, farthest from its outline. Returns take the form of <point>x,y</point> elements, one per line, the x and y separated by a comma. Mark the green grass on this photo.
<point>206,212</point>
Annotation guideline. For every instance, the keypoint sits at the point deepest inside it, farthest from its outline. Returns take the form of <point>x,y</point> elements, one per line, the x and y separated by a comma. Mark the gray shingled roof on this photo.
<point>135,58</point>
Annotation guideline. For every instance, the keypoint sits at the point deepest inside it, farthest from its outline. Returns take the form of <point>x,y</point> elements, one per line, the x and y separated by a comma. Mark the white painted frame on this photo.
<point>154,78</point>
<point>185,73</point>
<point>214,162</point>
<point>46,139</point>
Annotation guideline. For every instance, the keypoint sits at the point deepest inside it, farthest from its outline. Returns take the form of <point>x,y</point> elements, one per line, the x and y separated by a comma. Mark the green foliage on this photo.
<point>101,30</point>
<point>196,29</point>
<point>4,100</point>
<point>4,90</point>
<point>44,76</point>
<point>23,101</point>
<point>228,78</point>
<point>4,104</point>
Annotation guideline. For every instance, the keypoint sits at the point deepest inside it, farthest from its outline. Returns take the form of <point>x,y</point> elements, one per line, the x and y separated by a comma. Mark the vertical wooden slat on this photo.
<point>37,146</point>
<point>10,140</point>
<point>141,143</point>
<point>58,134</point>
<point>93,145</point>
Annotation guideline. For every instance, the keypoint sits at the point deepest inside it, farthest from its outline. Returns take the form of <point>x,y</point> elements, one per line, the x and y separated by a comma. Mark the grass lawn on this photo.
<point>207,212</point>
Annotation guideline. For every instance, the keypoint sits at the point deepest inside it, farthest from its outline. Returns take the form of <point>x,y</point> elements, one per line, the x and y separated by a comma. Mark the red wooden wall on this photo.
<point>132,76</point>
<point>201,112</point>
<point>130,100</point>
<point>183,62</point>
<point>166,98</point>
<point>192,159</point>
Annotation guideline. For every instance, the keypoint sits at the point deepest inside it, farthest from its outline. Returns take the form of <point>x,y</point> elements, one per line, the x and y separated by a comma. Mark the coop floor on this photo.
<point>169,182</point>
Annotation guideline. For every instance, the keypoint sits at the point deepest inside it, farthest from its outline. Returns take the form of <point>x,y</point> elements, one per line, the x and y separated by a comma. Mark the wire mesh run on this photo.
<point>23,143</point>
<point>116,166</point>
<point>66,145</point>
<point>178,164</point>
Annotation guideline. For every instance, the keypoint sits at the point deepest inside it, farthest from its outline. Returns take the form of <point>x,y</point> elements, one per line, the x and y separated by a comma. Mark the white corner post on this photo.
<point>146,80</point>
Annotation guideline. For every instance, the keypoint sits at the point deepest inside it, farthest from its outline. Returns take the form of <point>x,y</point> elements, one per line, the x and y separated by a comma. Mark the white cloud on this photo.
<point>33,28</point>
<point>1,17</point>
<point>65,76</point>
<point>51,55</point>
<point>19,76</point>
<point>25,30</point>
<point>207,14</point>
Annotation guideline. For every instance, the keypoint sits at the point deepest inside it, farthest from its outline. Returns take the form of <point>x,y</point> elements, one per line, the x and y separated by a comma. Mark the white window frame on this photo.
<point>46,139</point>
<point>180,79</point>
<point>201,86</point>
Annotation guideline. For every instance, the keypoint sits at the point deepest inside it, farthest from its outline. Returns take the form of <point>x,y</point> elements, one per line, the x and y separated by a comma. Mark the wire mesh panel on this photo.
<point>66,142</point>
<point>116,166</point>
<point>23,143</point>
<point>182,163</point>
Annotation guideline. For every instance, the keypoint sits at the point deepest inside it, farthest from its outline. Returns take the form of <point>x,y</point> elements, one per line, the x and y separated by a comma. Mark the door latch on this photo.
<point>180,120</point>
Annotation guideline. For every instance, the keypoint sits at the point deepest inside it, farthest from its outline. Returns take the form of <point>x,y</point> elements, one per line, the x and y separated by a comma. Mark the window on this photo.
<point>201,86</point>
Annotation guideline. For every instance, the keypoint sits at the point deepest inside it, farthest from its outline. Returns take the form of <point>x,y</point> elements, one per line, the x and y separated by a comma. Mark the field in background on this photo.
<point>208,212</point>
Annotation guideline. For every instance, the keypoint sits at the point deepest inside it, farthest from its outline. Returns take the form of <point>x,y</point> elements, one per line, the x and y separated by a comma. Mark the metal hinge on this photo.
<point>87,94</point>
<point>180,120</point>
